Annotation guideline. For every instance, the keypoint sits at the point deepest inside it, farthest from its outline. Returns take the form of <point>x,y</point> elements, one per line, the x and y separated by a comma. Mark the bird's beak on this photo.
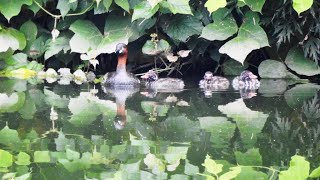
<point>252,76</point>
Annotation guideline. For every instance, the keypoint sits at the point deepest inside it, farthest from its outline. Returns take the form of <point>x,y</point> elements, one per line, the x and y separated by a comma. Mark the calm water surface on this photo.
<point>86,132</point>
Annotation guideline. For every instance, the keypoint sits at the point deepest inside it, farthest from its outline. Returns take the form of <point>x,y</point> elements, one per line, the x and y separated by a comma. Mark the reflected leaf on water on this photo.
<point>86,108</point>
<point>250,173</point>
<point>190,169</point>
<point>155,164</point>
<point>41,156</point>
<point>249,122</point>
<point>220,128</point>
<point>175,153</point>
<point>311,108</point>
<point>12,85</point>
<point>13,102</point>
<point>23,159</point>
<point>182,103</point>
<point>298,94</point>
<point>154,109</point>
<point>272,87</point>
<point>29,109</point>
<point>10,138</point>
<point>171,99</point>
<point>250,158</point>
<point>55,100</point>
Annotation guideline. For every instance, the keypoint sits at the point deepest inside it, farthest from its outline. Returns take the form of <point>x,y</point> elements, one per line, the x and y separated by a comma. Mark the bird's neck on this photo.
<point>122,61</point>
<point>121,109</point>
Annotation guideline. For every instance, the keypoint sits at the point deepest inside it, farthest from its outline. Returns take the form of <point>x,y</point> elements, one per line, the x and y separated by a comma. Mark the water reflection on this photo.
<point>74,130</point>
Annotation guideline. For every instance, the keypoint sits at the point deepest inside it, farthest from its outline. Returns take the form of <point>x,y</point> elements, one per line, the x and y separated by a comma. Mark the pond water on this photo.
<point>84,131</point>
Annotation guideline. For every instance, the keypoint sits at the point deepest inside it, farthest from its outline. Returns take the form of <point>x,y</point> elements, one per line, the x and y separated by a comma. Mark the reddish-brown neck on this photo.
<point>122,61</point>
<point>121,109</point>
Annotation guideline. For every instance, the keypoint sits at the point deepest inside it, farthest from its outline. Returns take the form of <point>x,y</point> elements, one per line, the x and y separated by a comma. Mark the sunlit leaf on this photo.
<point>11,38</point>
<point>23,159</point>
<point>10,8</point>
<point>144,10</point>
<point>315,173</point>
<point>213,5</point>
<point>222,27</point>
<point>250,37</point>
<point>302,5</point>
<point>6,159</point>
<point>299,169</point>
<point>296,61</point>
<point>175,153</point>
<point>155,164</point>
<point>231,174</point>
<point>124,4</point>
<point>87,36</point>
<point>41,156</point>
<point>211,166</point>
<point>179,6</point>
<point>171,57</point>
<point>107,4</point>
<point>181,27</point>
<point>153,3</point>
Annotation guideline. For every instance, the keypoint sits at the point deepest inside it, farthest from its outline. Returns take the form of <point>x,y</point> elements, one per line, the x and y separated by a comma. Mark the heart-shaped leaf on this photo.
<point>213,5</point>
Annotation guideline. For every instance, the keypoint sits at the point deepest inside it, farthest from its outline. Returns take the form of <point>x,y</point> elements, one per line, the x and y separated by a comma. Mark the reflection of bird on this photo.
<point>120,77</point>
<point>246,80</point>
<point>121,95</point>
<point>211,82</point>
<point>168,84</point>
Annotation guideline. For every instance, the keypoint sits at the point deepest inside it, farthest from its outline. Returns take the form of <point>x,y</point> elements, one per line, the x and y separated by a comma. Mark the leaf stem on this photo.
<point>58,16</point>
<point>262,167</point>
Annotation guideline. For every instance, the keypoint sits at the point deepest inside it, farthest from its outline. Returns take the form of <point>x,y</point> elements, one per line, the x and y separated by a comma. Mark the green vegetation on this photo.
<point>59,33</point>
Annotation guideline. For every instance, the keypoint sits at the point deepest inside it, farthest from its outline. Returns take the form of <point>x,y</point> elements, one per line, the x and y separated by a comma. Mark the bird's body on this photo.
<point>246,80</point>
<point>211,82</point>
<point>166,84</point>
<point>121,78</point>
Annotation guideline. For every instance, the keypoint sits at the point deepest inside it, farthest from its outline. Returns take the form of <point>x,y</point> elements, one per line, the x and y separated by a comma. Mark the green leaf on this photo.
<point>233,68</point>
<point>13,102</point>
<point>35,8</point>
<point>23,159</point>
<point>41,156</point>
<point>10,8</point>
<point>144,10</point>
<point>87,36</point>
<point>19,59</point>
<point>255,5</point>
<point>64,7</point>
<point>181,27</point>
<point>302,5</point>
<point>250,37</point>
<point>61,43</point>
<point>107,4</point>
<point>154,48</point>
<point>124,4</point>
<point>6,159</point>
<point>222,28</point>
<point>30,30</point>
<point>231,174</point>
<point>272,69</point>
<point>11,38</point>
<point>298,170</point>
<point>296,61</point>
<point>38,47</point>
<point>315,173</point>
<point>213,5</point>
<point>211,166</point>
<point>179,6</point>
